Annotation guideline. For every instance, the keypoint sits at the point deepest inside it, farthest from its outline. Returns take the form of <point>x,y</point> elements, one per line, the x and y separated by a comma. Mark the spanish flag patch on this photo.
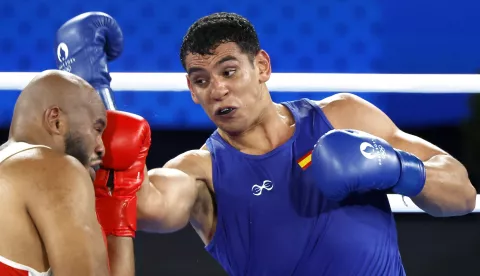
<point>305,161</point>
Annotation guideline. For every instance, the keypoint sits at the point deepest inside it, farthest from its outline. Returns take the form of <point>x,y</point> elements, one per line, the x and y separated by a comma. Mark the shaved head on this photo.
<point>62,111</point>
<point>53,88</point>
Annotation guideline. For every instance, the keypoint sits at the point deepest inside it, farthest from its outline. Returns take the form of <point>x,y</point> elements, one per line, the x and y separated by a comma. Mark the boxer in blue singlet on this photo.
<point>293,188</point>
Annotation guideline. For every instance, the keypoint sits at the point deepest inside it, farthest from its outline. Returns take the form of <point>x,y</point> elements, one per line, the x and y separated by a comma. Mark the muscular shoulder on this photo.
<point>343,107</point>
<point>196,163</point>
<point>348,111</point>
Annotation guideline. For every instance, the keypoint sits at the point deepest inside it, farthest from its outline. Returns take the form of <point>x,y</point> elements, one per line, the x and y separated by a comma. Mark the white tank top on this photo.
<point>15,148</point>
<point>8,267</point>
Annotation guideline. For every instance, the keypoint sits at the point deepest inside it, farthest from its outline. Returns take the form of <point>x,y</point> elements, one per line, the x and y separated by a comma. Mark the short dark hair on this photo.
<point>208,32</point>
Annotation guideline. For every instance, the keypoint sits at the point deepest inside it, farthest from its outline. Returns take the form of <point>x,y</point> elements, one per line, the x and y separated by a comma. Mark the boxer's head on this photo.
<point>227,70</point>
<point>64,112</point>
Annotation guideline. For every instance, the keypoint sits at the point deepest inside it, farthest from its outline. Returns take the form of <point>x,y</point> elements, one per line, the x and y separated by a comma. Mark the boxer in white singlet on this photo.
<point>47,202</point>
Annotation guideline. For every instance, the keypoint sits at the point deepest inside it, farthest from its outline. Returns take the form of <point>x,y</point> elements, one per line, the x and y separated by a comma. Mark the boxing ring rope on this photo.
<point>289,82</point>
<point>298,82</point>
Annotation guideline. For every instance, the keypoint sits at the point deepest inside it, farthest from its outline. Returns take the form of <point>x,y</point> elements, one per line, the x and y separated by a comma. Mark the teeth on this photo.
<point>225,111</point>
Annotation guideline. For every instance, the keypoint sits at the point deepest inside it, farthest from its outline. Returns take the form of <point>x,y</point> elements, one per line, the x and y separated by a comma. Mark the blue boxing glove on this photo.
<point>85,44</point>
<point>349,161</point>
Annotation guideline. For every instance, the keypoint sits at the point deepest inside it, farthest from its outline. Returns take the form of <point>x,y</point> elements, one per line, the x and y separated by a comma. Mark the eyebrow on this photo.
<point>101,122</point>
<point>224,59</point>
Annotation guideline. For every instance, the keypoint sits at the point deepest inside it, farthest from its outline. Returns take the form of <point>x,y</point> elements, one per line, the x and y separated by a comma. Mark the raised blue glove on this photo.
<point>85,44</point>
<point>348,161</point>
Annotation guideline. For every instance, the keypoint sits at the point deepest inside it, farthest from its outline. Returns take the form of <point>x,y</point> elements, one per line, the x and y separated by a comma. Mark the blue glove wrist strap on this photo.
<point>413,175</point>
<point>106,94</point>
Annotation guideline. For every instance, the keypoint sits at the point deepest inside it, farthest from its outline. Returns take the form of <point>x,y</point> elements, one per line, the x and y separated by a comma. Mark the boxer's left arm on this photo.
<point>447,190</point>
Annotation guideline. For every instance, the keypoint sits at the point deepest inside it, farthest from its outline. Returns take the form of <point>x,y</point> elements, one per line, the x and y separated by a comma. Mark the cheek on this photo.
<point>251,84</point>
<point>251,93</point>
<point>198,97</point>
<point>91,138</point>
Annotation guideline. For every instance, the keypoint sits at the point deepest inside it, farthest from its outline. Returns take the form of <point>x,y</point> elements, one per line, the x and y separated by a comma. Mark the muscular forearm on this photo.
<point>447,190</point>
<point>121,256</point>
<point>165,201</point>
<point>161,211</point>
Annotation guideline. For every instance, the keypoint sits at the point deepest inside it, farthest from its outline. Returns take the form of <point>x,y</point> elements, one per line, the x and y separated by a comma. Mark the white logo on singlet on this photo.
<point>257,189</point>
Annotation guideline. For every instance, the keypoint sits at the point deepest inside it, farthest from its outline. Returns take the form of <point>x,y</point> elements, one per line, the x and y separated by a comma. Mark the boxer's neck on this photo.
<point>274,127</point>
<point>34,136</point>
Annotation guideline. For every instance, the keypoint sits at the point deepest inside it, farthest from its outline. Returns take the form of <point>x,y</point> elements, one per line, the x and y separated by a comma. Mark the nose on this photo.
<point>219,89</point>
<point>100,148</point>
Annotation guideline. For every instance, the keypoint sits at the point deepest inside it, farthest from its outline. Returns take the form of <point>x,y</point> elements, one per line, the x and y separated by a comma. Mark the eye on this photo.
<point>99,128</point>
<point>229,73</point>
<point>199,81</point>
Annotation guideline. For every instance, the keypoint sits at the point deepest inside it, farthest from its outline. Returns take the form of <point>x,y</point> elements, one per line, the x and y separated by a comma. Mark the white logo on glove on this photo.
<point>62,52</point>
<point>367,150</point>
<point>373,151</point>
<point>62,55</point>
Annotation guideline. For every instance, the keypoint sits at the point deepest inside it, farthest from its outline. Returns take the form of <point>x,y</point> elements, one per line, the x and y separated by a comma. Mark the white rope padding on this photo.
<point>403,204</point>
<point>284,82</point>
<point>298,82</point>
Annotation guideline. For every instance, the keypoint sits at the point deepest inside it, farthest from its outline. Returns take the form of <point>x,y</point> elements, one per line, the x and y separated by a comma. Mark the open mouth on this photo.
<point>224,111</point>
<point>95,167</point>
<point>92,172</point>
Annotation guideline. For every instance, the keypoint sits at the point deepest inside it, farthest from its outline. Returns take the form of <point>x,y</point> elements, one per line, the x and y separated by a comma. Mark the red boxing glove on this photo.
<point>127,140</point>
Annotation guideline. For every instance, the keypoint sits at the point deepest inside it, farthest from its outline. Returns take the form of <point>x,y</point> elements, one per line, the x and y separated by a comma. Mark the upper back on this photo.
<point>15,164</point>
<point>18,157</point>
<point>20,244</point>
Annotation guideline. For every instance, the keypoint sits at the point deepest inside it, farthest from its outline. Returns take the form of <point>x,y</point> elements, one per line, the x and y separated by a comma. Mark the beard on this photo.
<point>75,147</point>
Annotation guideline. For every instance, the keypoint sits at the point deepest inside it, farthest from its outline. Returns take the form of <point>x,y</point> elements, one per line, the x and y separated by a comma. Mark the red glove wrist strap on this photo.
<point>117,216</point>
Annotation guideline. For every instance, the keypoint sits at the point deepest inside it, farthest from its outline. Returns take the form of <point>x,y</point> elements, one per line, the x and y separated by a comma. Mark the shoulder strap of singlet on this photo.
<point>15,148</point>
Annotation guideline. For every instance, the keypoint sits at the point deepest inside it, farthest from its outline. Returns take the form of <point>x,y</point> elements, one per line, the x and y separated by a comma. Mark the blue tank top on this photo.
<point>272,221</point>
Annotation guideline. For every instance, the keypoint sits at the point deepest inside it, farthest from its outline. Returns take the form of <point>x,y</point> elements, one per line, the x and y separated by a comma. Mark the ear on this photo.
<point>54,121</point>
<point>262,61</point>
<point>194,97</point>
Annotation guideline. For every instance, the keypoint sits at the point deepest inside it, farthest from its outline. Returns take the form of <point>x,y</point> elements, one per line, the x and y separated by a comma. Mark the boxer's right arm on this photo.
<point>61,203</point>
<point>166,200</point>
